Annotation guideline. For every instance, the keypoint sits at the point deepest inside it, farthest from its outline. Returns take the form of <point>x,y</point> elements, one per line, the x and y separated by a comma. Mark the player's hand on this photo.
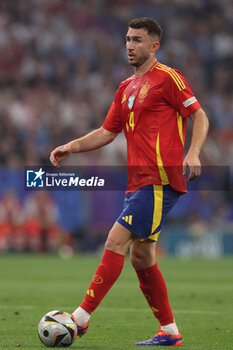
<point>59,154</point>
<point>192,162</point>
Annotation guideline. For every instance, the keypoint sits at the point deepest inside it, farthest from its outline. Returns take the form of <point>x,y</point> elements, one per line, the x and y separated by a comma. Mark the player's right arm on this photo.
<point>94,140</point>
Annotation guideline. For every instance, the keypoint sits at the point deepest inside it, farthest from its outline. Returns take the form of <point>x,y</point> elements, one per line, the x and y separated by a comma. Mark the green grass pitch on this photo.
<point>200,291</point>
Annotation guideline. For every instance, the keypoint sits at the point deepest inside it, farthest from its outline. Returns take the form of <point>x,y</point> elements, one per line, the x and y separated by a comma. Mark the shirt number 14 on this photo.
<point>130,123</point>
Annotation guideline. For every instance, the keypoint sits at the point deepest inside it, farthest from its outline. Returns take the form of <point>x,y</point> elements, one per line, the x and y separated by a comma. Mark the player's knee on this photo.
<point>119,239</point>
<point>136,259</point>
<point>141,260</point>
<point>113,244</point>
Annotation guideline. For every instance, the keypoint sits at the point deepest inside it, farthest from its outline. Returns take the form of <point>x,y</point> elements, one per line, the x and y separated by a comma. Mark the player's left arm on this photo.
<point>199,133</point>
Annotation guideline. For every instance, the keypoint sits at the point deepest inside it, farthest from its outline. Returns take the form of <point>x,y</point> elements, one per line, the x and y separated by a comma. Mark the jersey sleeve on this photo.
<point>113,120</point>
<point>178,94</point>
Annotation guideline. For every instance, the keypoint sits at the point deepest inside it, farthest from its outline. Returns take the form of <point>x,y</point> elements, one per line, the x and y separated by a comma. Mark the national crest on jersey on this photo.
<point>143,92</point>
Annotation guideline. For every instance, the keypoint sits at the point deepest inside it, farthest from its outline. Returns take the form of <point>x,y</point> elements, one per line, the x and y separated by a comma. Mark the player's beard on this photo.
<point>140,61</point>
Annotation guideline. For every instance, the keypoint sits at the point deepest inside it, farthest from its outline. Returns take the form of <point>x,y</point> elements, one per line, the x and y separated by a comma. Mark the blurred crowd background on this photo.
<point>60,64</point>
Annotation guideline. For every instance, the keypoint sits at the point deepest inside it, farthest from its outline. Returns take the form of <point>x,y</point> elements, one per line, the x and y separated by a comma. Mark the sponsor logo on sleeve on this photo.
<point>190,101</point>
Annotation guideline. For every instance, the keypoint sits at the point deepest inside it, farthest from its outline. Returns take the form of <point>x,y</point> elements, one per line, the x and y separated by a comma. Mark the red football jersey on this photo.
<point>152,110</point>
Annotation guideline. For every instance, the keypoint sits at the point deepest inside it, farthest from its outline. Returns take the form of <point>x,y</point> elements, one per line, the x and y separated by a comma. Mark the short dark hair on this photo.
<point>152,26</point>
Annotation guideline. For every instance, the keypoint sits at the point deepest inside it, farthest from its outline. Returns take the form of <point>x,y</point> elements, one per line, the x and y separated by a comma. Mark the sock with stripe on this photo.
<point>153,286</point>
<point>105,276</point>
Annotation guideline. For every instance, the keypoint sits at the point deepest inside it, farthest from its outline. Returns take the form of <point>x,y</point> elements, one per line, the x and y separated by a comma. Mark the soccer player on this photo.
<point>152,107</point>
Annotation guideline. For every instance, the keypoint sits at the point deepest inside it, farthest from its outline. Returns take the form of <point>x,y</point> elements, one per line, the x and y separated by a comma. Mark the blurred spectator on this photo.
<point>62,61</point>
<point>30,225</point>
<point>41,222</point>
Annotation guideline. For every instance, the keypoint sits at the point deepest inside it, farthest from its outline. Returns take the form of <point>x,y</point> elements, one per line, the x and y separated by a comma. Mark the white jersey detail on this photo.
<point>190,101</point>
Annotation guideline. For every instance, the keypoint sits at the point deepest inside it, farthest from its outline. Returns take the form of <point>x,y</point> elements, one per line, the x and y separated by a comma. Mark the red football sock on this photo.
<point>106,275</point>
<point>154,289</point>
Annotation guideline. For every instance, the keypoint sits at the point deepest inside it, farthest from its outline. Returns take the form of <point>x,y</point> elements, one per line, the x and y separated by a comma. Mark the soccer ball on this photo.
<point>57,329</point>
